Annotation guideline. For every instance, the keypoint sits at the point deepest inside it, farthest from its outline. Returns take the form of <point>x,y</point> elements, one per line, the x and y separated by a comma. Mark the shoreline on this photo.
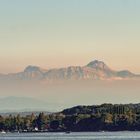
<point>65,132</point>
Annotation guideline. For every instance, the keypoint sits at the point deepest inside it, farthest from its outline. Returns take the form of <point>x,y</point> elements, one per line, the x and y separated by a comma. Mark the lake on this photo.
<point>72,136</point>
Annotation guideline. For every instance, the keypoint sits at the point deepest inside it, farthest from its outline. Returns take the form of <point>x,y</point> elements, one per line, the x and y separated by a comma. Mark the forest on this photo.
<point>105,117</point>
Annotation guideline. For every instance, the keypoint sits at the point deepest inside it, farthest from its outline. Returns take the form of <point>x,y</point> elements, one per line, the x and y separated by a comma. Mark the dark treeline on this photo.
<point>105,117</point>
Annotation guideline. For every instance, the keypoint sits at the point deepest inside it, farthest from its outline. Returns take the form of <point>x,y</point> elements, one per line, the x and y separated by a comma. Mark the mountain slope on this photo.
<point>14,104</point>
<point>93,70</point>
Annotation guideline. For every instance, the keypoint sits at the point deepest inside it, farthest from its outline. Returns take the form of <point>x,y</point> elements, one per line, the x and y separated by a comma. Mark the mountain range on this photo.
<point>26,104</point>
<point>94,70</point>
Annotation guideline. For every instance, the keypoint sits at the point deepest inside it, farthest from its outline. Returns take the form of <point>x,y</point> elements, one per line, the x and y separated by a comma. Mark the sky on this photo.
<point>59,33</point>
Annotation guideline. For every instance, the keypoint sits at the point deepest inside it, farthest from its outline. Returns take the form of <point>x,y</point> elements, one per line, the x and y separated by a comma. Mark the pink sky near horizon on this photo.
<point>53,34</point>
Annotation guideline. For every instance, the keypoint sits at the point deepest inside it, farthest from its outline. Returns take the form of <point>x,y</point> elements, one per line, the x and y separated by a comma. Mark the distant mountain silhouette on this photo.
<point>95,70</point>
<point>23,104</point>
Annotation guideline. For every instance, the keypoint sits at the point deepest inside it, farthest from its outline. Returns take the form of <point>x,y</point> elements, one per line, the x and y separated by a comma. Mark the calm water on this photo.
<point>73,136</point>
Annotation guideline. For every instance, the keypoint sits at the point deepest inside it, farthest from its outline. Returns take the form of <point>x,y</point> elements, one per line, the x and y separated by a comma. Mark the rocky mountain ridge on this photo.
<point>95,70</point>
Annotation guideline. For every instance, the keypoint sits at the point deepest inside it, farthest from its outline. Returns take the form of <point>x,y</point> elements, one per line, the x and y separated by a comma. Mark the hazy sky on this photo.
<point>58,33</point>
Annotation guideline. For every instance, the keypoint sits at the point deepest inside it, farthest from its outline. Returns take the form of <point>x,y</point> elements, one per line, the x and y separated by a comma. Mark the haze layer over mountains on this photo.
<point>94,83</point>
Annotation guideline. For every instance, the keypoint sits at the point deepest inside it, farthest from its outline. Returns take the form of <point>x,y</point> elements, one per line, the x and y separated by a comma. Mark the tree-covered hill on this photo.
<point>105,117</point>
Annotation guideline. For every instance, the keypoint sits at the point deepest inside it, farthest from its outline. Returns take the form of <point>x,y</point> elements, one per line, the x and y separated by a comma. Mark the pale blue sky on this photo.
<point>58,33</point>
